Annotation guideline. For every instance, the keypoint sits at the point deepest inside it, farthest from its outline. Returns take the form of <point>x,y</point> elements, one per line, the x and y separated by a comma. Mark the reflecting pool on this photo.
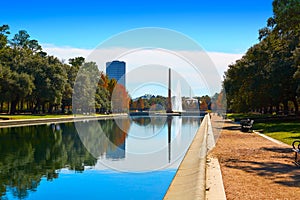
<point>128,158</point>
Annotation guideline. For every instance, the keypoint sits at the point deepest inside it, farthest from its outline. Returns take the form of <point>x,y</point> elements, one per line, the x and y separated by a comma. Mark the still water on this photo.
<point>124,158</point>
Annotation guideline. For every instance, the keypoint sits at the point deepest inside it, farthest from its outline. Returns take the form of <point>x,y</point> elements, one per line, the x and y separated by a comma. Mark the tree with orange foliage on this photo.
<point>120,99</point>
<point>104,80</point>
<point>219,102</point>
<point>141,104</point>
<point>111,86</point>
<point>203,105</point>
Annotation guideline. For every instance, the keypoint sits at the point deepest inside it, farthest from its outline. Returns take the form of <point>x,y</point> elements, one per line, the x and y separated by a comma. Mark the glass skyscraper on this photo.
<point>117,70</point>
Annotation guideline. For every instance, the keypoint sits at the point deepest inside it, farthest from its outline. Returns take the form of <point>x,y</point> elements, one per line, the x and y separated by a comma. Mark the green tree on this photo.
<point>71,71</point>
<point>20,86</point>
<point>85,88</point>
<point>4,32</point>
<point>264,79</point>
<point>33,81</point>
<point>76,62</point>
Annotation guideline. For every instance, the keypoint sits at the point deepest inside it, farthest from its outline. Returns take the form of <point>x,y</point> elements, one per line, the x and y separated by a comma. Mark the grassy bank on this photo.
<point>13,117</point>
<point>282,128</point>
<point>286,132</point>
<point>29,116</point>
<point>239,116</point>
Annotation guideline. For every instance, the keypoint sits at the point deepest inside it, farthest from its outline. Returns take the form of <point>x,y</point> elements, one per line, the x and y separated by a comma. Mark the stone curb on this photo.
<point>271,139</point>
<point>214,181</point>
<point>185,185</point>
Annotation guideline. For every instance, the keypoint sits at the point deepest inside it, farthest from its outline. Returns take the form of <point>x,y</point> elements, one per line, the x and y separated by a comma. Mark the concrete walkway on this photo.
<point>196,178</point>
<point>189,181</point>
<point>255,167</point>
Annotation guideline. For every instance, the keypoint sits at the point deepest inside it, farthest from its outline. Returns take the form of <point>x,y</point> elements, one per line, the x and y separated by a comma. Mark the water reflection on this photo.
<point>169,121</point>
<point>34,153</point>
<point>149,143</point>
<point>142,121</point>
<point>29,153</point>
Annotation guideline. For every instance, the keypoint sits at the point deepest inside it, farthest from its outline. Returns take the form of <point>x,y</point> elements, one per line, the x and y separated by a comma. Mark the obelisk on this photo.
<point>169,102</point>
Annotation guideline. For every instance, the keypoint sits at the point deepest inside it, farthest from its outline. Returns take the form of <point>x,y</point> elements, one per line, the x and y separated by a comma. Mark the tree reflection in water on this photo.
<point>30,153</point>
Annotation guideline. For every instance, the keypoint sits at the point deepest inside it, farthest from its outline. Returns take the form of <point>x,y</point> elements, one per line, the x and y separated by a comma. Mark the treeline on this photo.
<point>267,78</point>
<point>158,103</point>
<point>33,82</point>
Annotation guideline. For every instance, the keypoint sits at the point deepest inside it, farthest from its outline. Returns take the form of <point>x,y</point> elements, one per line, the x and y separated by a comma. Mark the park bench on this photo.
<point>246,125</point>
<point>296,149</point>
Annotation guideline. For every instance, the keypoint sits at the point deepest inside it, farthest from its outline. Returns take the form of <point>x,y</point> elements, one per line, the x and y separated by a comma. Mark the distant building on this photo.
<point>117,70</point>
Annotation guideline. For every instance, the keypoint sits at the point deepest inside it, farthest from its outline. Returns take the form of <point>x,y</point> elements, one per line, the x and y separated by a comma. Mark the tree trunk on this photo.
<point>32,107</point>
<point>63,108</point>
<point>296,106</point>
<point>22,106</point>
<point>277,109</point>
<point>50,109</point>
<point>285,108</point>
<point>262,110</point>
<point>271,110</point>
<point>28,106</point>
<point>43,108</point>
<point>13,106</point>
<point>36,107</point>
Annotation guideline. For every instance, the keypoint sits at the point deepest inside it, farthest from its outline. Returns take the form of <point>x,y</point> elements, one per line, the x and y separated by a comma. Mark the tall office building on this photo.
<point>117,70</point>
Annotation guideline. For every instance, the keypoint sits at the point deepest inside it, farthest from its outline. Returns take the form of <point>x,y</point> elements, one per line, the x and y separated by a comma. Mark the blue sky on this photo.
<point>218,26</point>
<point>67,29</point>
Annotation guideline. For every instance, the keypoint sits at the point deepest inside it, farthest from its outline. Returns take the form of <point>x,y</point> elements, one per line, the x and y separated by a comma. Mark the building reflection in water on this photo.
<point>169,122</point>
<point>116,147</point>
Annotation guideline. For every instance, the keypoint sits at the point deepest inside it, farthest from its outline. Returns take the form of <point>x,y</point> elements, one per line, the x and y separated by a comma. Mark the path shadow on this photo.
<point>295,177</point>
<point>281,152</point>
<point>232,128</point>
<point>229,122</point>
<point>295,138</point>
<point>219,121</point>
<point>277,149</point>
<point>284,174</point>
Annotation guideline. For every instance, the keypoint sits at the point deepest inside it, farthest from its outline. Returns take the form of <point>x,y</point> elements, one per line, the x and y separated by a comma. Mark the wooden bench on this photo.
<point>296,149</point>
<point>246,125</point>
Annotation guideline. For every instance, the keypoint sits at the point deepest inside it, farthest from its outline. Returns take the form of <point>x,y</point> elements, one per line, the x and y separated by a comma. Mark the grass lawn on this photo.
<point>238,116</point>
<point>3,116</point>
<point>12,117</point>
<point>286,132</point>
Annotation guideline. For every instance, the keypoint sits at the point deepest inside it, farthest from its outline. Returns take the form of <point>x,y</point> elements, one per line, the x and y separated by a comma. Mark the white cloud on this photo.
<point>203,78</point>
<point>222,60</point>
<point>65,52</point>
